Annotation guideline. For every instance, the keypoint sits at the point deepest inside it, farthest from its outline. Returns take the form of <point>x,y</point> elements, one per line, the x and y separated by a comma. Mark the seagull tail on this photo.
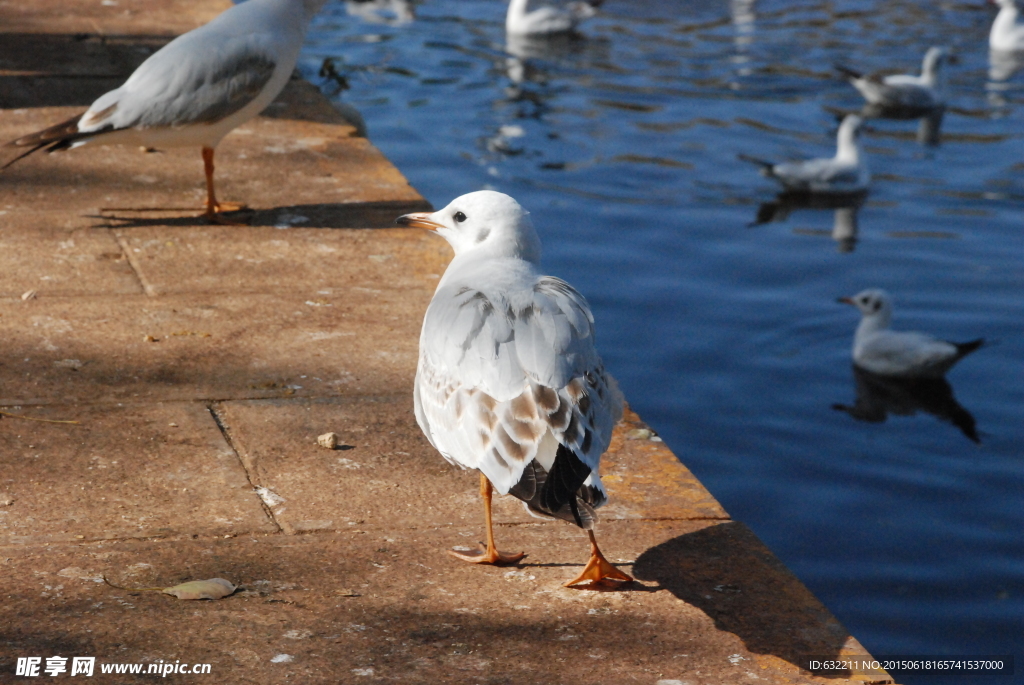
<point>58,137</point>
<point>847,71</point>
<point>964,349</point>
<point>766,166</point>
<point>560,493</point>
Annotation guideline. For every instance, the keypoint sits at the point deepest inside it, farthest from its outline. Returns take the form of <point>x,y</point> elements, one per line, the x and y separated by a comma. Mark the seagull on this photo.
<point>847,172</point>
<point>903,91</point>
<point>904,354</point>
<point>195,89</point>
<point>547,20</point>
<point>508,380</point>
<point>1006,34</point>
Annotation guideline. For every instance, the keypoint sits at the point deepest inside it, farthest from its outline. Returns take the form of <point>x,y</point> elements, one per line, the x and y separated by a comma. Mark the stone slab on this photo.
<point>386,471</point>
<point>54,254</point>
<point>292,167</point>
<point>384,606</point>
<point>122,472</point>
<point>211,347</point>
<point>212,259</point>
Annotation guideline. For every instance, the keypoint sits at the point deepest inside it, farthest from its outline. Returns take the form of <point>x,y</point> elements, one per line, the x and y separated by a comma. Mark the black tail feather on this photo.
<point>763,163</point>
<point>560,493</point>
<point>964,349</point>
<point>847,71</point>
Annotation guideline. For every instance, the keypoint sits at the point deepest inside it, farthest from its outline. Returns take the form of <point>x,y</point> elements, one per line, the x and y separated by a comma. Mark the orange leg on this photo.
<point>213,207</point>
<point>598,569</point>
<point>488,553</point>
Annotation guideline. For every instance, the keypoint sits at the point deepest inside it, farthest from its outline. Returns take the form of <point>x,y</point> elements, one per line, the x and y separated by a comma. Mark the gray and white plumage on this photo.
<point>509,381</point>
<point>547,20</point>
<point>899,353</point>
<point>846,172</point>
<point>1006,35</point>
<point>198,87</point>
<point>904,91</point>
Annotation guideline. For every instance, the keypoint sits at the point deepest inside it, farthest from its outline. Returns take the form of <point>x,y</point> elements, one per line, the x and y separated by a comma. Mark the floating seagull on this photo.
<point>890,353</point>
<point>847,172</point>
<point>903,91</point>
<point>508,380</point>
<point>1006,34</point>
<point>547,20</point>
<point>195,89</point>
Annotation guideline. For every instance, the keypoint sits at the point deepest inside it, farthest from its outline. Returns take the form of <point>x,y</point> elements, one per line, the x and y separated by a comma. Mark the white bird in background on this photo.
<point>508,380</point>
<point>904,91</point>
<point>547,20</point>
<point>1006,34</point>
<point>891,353</point>
<point>196,89</point>
<point>847,172</point>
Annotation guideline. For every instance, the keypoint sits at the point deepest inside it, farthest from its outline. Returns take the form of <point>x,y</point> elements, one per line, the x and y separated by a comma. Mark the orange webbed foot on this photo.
<point>599,571</point>
<point>487,555</point>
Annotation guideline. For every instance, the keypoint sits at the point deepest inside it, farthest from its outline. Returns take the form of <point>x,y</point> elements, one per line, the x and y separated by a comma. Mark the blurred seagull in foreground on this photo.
<point>508,380</point>
<point>1006,34</point>
<point>890,353</point>
<point>903,91</point>
<point>547,20</point>
<point>847,172</point>
<point>196,89</point>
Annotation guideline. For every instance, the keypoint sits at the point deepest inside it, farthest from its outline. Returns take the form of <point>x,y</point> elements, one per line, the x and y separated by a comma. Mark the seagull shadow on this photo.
<point>353,215</point>
<point>879,396</point>
<point>727,573</point>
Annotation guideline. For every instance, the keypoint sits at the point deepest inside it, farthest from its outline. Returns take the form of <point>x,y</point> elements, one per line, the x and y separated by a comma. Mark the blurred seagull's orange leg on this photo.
<point>488,553</point>
<point>213,207</point>
<point>598,568</point>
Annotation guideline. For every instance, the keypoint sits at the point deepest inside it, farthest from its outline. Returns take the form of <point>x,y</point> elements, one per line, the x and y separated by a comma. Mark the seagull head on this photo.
<point>873,303</point>
<point>934,59</point>
<point>486,222</point>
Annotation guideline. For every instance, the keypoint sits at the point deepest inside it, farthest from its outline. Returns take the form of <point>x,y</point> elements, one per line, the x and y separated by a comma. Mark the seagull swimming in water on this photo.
<point>847,172</point>
<point>547,20</point>
<point>508,381</point>
<point>1006,34</point>
<point>896,353</point>
<point>196,89</point>
<point>904,91</point>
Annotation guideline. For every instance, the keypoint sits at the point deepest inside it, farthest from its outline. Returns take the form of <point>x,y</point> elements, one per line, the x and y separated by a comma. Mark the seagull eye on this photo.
<point>459,217</point>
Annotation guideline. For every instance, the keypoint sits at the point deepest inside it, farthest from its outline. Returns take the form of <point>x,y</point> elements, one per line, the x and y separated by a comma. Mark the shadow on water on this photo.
<point>879,396</point>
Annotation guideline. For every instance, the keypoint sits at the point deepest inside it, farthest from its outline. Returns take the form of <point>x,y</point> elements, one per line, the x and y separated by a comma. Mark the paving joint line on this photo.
<point>147,289</point>
<point>211,407</point>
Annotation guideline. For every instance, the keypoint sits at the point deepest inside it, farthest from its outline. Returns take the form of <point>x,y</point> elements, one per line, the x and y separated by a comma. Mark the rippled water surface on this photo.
<point>728,338</point>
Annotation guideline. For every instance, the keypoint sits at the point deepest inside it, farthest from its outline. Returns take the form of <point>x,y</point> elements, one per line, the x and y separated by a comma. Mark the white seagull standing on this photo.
<point>508,380</point>
<point>547,20</point>
<point>196,89</point>
<point>891,353</point>
<point>1006,34</point>
<point>847,172</point>
<point>904,91</point>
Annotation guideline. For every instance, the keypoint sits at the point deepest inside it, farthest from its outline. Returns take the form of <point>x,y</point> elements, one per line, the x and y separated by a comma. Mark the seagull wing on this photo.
<point>905,353</point>
<point>190,81</point>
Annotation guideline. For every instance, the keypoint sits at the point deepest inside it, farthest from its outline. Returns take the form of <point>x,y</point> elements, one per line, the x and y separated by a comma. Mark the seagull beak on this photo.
<point>844,300</point>
<point>418,220</point>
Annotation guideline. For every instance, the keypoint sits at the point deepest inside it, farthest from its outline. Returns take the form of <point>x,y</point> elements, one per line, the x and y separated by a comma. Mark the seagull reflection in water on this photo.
<point>878,396</point>
<point>388,12</point>
<point>846,206</point>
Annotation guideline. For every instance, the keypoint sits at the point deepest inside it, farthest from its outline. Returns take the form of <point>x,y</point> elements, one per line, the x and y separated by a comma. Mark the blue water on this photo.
<point>727,338</point>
